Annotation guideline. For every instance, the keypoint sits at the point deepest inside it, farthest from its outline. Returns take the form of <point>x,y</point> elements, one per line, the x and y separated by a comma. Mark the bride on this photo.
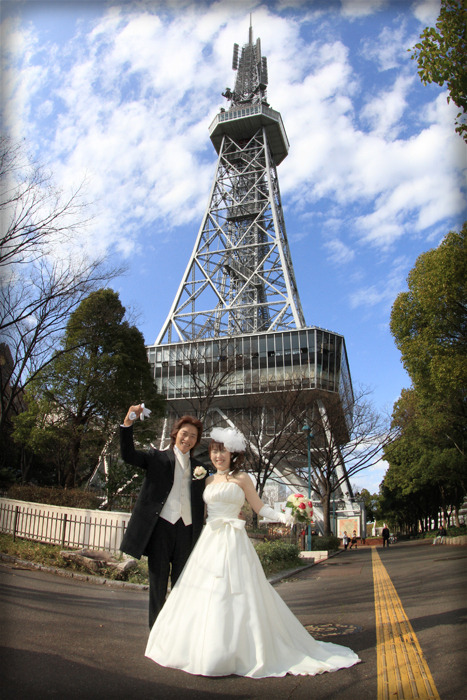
<point>222,616</point>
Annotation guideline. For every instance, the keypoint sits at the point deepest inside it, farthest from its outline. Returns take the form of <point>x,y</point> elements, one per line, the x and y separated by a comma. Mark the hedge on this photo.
<point>73,498</point>
<point>277,552</point>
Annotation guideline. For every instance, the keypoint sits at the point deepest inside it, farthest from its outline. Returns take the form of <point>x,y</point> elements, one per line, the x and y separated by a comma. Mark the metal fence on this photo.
<point>70,528</point>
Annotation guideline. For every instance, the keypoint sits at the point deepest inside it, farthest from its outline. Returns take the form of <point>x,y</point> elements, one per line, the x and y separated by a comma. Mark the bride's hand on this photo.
<point>287,519</point>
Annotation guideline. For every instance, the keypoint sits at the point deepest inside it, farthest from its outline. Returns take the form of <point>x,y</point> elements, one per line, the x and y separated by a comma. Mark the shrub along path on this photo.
<point>279,560</point>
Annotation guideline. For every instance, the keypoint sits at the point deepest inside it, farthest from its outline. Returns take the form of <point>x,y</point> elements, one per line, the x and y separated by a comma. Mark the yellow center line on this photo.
<point>403,673</point>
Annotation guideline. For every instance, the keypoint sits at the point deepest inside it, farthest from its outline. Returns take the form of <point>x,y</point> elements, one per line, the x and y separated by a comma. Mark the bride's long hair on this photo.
<point>236,458</point>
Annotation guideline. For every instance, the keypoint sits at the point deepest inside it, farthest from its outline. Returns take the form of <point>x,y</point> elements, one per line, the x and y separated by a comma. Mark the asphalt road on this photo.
<point>69,639</point>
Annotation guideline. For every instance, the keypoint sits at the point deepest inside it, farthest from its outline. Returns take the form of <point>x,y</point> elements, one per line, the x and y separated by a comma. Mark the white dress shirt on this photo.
<point>178,503</point>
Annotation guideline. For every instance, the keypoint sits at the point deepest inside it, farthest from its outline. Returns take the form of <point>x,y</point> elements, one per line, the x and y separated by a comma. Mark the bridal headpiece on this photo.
<point>231,438</point>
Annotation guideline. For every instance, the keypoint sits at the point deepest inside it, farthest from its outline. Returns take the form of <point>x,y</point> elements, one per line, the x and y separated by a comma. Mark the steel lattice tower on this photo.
<point>240,277</point>
<point>236,316</point>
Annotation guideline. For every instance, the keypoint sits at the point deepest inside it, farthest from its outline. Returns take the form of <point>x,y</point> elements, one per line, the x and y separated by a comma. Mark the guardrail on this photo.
<point>67,527</point>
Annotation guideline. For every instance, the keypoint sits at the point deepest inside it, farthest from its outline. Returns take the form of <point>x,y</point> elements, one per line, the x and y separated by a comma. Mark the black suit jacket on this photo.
<point>159,466</point>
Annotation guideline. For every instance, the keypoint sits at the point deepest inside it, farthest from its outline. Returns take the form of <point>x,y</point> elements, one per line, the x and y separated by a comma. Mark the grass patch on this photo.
<point>38,552</point>
<point>49,555</point>
<point>275,556</point>
<point>140,574</point>
<point>451,532</point>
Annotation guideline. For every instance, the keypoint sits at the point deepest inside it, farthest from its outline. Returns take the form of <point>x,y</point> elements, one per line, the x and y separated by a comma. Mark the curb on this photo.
<point>276,578</point>
<point>99,580</point>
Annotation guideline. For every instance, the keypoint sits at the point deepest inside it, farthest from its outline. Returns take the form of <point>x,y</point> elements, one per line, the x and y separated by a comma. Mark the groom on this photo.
<point>168,515</point>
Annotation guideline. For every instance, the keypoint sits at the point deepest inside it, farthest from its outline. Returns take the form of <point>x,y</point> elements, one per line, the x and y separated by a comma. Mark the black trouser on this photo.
<point>386,542</point>
<point>169,545</point>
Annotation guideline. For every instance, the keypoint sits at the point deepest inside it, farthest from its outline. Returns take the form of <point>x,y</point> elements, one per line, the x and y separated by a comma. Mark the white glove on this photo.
<point>145,414</point>
<point>276,516</point>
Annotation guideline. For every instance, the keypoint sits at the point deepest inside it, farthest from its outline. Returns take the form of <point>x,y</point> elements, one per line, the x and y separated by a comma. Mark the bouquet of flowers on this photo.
<point>301,507</point>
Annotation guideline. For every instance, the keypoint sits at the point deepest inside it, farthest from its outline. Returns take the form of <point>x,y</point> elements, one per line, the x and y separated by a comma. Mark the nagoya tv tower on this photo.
<point>235,338</point>
<point>240,278</point>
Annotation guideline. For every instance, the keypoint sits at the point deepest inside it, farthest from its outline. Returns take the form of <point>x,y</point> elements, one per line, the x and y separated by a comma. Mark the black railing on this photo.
<point>94,530</point>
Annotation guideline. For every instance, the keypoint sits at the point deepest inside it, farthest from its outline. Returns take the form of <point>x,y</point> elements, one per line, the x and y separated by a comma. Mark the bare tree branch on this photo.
<point>39,285</point>
<point>33,213</point>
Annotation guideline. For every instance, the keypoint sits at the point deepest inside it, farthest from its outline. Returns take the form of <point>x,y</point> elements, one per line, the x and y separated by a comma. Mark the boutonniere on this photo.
<point>199,472</point>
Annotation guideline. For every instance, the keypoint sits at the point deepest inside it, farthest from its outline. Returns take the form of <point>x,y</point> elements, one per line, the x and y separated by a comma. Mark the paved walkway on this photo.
<point>402,610</point>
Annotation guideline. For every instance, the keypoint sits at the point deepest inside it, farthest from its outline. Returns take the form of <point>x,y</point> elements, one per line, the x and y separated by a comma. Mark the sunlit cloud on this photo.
<point>361,8</point>
<point>339,252</point>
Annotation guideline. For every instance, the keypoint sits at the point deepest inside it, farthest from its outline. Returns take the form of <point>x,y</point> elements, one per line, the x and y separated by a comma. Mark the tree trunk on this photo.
<point>26,461</point>
<point>325,504</point>
<point>70,475</point>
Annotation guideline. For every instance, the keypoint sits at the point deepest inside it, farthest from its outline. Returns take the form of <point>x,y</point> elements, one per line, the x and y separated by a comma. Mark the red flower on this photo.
<point>302,506</point>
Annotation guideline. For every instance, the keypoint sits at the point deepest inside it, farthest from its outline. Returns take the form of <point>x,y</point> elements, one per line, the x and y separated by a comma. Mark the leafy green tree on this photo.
<point>429,325</point>
<point>406,485</point>
<point>426,473</point>
<point>43,439</point>
<point>442,56</point>
<point>85,391</point>
<point>371,501</point>
<point>402,512</point>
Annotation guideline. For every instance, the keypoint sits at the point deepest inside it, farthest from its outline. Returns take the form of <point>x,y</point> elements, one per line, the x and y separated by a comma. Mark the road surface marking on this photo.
<point>403,673</point>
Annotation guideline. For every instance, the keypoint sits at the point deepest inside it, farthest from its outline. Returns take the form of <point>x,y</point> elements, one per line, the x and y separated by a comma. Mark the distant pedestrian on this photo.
<point>353,542</point>
<point>441,536</point>
<point>345,540</point>
<point>386,535</point>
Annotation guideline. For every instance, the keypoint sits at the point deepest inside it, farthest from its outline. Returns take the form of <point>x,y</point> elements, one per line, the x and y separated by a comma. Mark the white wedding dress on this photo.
<point>223,617</point>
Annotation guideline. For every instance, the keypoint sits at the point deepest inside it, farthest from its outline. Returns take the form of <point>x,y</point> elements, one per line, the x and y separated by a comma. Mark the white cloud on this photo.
<point>388,49</point>
<point>18,86</point>
<point>339,252</point>
<point>427,11</point>
<point>138,151</point>
<point>135,95</point>
<point>371,478</point>
<point>384,112</point>
<point>361,8</point>
<point>390,281</point>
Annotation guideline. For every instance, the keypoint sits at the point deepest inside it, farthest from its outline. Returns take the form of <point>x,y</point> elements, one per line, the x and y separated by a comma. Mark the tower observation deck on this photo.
<point>235,340</point>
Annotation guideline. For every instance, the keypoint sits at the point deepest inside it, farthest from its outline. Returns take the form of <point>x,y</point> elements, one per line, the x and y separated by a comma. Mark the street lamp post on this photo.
<point>306,428</point>
<point>334,512</point>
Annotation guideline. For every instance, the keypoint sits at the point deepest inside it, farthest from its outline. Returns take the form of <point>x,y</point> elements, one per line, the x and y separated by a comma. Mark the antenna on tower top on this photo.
<point>252,77</point>
<point>235,57</point>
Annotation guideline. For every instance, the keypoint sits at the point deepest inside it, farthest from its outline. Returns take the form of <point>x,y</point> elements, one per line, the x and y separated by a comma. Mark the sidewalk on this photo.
<point>100,580</point>
<point>80,641</point>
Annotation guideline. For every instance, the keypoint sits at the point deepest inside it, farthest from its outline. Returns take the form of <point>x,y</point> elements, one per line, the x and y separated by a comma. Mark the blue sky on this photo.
<point>120,95</point>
